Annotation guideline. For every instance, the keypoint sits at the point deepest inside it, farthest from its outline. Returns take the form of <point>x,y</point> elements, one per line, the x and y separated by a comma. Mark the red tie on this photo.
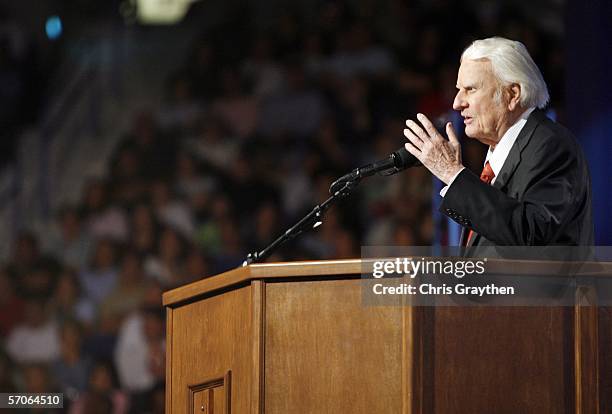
<point>486,176</point>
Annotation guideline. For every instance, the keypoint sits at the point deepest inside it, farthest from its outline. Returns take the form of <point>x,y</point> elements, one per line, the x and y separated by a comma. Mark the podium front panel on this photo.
<point>327,353</point>
<point>211,343</point>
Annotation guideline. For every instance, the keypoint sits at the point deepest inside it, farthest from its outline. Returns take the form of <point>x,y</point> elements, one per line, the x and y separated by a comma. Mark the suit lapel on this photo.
<point>513,160</point>
<point>514,157</point>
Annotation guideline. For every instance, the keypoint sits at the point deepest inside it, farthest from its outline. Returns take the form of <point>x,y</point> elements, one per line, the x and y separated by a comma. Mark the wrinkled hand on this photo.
<point>440,156</point>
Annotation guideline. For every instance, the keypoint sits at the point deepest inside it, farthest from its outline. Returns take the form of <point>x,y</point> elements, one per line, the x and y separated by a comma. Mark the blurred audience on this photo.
<point>99,278</point>
<point>71,369</point>
<point>70,303</point>
<point>140,349</point>
<point>37,338</point>
<point>103,394</point>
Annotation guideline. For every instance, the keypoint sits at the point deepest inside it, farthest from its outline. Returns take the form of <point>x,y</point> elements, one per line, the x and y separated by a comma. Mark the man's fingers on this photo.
<point>415,140</point>
<point>452,137</point>
<point>413,150</point>
<point>417,130</point>
<point>429,127</point>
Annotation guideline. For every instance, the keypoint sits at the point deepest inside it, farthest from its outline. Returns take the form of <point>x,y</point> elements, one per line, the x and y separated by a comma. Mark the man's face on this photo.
<point>484,118</point>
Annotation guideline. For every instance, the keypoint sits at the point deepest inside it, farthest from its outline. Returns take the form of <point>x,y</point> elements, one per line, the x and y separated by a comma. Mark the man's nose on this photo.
<point>459,103</point>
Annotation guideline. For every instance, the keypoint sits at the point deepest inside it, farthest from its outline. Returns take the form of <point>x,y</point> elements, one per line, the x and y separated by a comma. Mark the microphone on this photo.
<point>394,163</point>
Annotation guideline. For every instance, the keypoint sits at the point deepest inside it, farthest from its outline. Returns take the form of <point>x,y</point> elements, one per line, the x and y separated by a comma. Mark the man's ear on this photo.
<point>514,96</point>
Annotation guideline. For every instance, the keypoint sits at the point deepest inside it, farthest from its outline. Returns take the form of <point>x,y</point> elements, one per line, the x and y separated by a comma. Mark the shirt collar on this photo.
<point>498,157</point>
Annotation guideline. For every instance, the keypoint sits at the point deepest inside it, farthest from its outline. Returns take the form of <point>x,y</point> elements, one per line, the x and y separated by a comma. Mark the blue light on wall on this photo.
<point>53,27</point>
<point>589,100</point>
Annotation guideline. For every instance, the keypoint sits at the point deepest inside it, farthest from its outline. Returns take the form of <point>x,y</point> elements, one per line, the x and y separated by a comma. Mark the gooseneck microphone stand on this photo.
<point>310,221</point>
<point>342,187</point>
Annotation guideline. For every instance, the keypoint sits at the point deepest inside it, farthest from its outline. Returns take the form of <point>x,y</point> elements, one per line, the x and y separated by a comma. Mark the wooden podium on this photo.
<point>297,338</point>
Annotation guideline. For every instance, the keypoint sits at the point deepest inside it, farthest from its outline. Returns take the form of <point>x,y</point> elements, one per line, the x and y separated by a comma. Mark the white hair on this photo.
<point>511,63</point>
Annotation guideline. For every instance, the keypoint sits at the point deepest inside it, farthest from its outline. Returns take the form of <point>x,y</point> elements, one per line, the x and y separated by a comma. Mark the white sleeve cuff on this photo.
<point>445,188</point>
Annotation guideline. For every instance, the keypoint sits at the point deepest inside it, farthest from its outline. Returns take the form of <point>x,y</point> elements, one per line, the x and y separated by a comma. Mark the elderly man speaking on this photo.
<point>535,187</point>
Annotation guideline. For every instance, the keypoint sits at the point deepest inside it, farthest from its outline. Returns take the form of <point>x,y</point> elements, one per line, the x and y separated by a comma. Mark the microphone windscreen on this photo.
<point>403,159</point>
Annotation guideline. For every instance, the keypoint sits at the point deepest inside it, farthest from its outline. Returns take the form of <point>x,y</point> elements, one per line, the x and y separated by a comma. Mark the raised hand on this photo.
<point>440,156</point>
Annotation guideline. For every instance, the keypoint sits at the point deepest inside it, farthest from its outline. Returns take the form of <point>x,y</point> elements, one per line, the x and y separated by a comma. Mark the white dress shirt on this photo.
<point>497,157</point>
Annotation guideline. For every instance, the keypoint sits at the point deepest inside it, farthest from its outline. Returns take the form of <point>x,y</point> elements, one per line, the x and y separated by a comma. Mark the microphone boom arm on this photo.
<point>309,221</point>
<point>342,187</point>
<point>394,163</point>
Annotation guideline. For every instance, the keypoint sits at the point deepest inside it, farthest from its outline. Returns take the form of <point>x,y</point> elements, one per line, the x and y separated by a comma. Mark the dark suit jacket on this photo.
<point>542,195</point>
